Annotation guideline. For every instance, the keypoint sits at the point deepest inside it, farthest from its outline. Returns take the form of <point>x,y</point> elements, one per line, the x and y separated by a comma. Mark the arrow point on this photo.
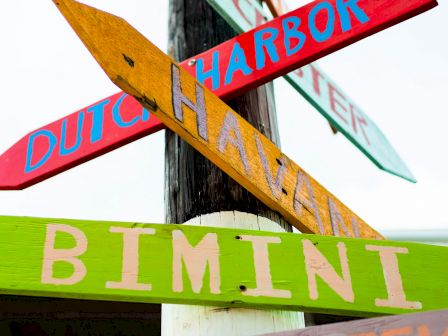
<point>96,29</point>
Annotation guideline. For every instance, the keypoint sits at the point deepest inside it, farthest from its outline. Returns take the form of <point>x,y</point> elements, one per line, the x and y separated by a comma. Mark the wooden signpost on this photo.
<point>228,69</point>
<point>322,92</point>
<point>199,192</point>
<point>434,323</point>
<point>215,266</point>
<point>220,267</point>
<point>210,126</point>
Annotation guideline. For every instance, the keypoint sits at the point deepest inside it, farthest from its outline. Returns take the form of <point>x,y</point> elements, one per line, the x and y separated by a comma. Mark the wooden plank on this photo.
<point>222,267</point>
<point>418,324</point>
<point>81,136</point>
<point>209,125</point>
<point>323,93</point>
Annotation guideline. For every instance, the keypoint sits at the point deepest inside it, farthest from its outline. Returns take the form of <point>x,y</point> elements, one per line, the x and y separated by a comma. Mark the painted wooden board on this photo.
<point>81,136</point>
<point>209,125</point>
<point>322,92</point>
<point>159,263</point>
<point>434,323</point>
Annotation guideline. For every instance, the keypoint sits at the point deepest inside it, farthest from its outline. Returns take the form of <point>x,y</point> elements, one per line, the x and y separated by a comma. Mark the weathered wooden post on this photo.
<point>198,192</point>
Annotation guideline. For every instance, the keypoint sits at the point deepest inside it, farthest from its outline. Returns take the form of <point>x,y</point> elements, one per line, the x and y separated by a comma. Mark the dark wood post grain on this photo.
<point>193,185</point>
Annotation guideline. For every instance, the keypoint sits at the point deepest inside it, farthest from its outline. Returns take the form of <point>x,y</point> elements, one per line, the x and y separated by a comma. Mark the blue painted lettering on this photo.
<point>213,73</point>
<point>292,32</point>
<point>328,31</point>
<point>343,6</point>
<point>62,148</point>
<point>119,120</point>
<point>96,133</point>
<point>145,115</point>
<point>29,167</point>
<point>237,62</point>
<point>263,42</point>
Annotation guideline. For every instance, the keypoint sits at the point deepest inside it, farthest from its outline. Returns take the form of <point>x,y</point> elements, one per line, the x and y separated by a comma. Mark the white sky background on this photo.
<point>398,77</point>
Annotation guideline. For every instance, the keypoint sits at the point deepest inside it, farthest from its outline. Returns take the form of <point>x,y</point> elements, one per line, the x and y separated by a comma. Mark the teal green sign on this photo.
<point>221,267</point>
<point>324,94</point>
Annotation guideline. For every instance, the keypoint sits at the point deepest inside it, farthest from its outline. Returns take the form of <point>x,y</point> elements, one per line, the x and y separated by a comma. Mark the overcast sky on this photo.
<point>398,77</point>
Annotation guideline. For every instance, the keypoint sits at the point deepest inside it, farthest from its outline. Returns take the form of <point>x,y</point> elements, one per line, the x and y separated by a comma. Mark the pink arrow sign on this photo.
<point>232,68</point>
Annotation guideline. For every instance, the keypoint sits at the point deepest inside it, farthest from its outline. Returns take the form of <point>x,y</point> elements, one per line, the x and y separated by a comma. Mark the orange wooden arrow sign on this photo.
<point>209,125</point>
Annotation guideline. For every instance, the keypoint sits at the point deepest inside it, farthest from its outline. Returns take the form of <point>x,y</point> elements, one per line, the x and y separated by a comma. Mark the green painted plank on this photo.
<point>221,267</point>
<point>324,94</point>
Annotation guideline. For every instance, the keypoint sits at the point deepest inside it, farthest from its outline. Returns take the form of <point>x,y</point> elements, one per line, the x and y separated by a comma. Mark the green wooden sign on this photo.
<point>220,267</point>
<point>324,94</point>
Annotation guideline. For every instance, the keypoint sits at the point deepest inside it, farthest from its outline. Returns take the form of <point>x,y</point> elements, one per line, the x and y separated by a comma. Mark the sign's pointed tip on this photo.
<point>114,43</point>
<point>60,3</point>
<point>98,30</point>
<point>407,175</point>
<point>412,180</point>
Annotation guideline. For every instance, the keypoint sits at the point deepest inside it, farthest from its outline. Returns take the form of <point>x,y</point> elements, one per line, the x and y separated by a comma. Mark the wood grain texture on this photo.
<point>434,323</point>
<point>193,185</point>
<point>134,262</point>
<point>197,192</point>
<point>324,94</point>
<point>213,129</point>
